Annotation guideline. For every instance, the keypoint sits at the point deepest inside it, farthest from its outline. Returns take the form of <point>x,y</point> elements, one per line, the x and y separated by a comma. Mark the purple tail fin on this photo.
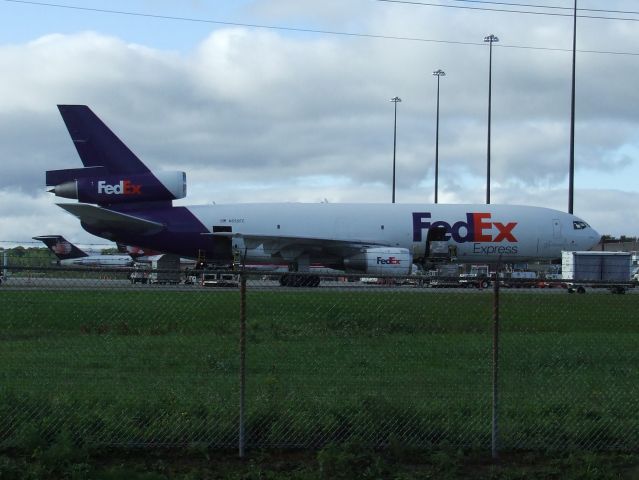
<point>96,144</point>
<point>112,175</point>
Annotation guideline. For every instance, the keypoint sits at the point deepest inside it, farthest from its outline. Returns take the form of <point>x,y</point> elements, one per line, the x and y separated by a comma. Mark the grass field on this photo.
<point>145,367</point>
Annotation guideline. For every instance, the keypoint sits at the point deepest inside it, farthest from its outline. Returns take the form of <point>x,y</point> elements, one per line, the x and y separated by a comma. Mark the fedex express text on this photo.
<point>478,229</point>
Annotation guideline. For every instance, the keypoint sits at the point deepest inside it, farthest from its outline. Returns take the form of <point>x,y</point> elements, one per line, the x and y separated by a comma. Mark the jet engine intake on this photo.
<point>381,261</point>
<point>108,189</point>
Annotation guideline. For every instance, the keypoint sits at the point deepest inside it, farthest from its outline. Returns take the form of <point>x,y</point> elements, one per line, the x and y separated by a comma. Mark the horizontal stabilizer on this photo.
<point>109,220</point>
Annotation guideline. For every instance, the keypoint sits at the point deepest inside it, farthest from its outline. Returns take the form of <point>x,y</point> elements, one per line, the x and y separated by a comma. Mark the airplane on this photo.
<point>121,199</point>
<point>70,255</point>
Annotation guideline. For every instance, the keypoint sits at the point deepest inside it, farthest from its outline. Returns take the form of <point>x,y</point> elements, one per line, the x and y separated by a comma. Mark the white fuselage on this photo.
<point>486,233</point>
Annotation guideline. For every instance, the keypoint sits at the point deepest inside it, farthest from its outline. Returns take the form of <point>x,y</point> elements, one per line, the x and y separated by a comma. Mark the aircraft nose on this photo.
<point>583,236</point>
<point>592,239</point>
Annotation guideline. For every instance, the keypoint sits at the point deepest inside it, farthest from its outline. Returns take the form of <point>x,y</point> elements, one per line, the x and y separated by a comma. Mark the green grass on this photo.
<point>333,462</point>
<point>162,368</point>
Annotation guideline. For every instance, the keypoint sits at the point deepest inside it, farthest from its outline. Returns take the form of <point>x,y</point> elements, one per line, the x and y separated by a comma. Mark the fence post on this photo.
<point>495,423</point>
<point>242,440</point>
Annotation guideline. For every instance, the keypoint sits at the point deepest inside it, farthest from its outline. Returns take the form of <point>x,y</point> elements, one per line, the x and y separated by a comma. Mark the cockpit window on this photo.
<point>579,225</point>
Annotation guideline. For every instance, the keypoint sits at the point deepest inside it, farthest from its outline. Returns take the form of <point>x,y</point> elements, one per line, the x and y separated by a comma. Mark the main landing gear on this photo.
<point>299,280</point>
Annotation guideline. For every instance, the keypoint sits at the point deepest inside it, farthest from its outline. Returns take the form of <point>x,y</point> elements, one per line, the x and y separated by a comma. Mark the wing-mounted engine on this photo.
<point>96,185</point>
<point>381,261</point>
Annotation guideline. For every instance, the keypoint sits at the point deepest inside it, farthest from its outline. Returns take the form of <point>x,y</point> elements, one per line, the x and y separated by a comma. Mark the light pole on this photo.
<point>571,172</point>
<point>438,73</point>
<point>395,100</point>
<point>490,39</point>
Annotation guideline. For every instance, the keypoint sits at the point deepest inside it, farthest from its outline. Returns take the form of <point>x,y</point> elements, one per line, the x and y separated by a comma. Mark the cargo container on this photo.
<point>610,269</point>
<point>165,269</point>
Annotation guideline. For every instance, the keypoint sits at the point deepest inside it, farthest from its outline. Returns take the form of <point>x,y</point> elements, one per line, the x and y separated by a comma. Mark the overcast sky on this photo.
<point>276,114</point>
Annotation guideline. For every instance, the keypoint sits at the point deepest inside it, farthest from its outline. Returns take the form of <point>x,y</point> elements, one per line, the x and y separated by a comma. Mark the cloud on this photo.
<point>260,115</point>
<point>593,205</point>
<point>23,216</point>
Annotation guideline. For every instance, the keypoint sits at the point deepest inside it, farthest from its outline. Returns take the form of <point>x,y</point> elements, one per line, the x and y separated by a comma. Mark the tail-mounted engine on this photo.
<point>96,185</point>
<point>381,261</point>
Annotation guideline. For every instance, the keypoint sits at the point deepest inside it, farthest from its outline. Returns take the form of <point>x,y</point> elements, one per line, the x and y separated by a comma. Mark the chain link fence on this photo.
<point>89,355</point>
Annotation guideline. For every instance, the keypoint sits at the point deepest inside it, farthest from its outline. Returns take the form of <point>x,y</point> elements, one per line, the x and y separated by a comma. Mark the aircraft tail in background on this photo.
<point>61,247</point>
<point>71,256</point>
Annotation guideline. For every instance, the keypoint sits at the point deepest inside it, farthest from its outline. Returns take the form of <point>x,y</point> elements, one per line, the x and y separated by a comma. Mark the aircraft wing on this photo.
<point>290,247</point>
<point>106,219</point>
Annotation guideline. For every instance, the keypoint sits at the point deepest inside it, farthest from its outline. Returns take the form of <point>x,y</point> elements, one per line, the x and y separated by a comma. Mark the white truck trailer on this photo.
<point>607,269</point>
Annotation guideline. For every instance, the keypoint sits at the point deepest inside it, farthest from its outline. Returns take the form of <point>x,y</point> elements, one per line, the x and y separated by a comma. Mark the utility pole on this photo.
<point>571,172</point>
<point>490,39</point>
<point>395,100</point>
<point>438,73</point>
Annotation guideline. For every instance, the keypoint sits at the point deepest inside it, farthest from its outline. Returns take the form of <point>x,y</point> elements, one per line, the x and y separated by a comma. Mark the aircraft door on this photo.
<point>436,243</point>
<point>556,228</point>
<point>221,249</point>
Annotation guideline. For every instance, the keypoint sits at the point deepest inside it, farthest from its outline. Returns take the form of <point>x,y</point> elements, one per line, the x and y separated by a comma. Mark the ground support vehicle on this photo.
<point>140,274</point>
<point>190,279</point>
<point>478,277</point>
<point>518,279</point>
<point>611,270</point>
<point>220,279</point>
<point>165,269</point>
<point>444,276</point>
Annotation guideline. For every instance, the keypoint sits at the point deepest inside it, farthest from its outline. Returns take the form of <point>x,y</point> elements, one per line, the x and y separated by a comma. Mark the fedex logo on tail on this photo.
<point>478,227</point>
<point>125,187</point>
